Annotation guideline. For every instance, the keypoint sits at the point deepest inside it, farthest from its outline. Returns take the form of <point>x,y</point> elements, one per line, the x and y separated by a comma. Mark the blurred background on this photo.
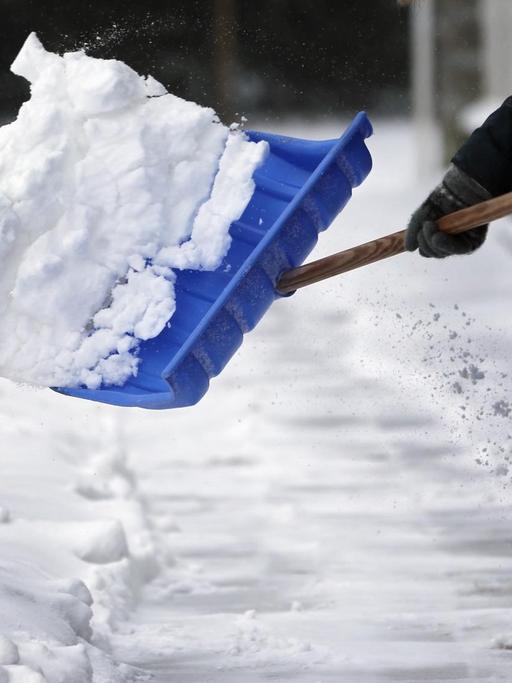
<point>272,57</point>
<point>447,63</point>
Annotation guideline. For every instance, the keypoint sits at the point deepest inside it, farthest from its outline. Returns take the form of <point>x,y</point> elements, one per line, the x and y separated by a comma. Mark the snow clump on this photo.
<point>107,183</point>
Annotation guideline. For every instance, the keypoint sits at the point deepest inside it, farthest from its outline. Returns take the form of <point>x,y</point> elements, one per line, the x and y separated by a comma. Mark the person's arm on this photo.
<point>481,169</point>
<point>486,155</point>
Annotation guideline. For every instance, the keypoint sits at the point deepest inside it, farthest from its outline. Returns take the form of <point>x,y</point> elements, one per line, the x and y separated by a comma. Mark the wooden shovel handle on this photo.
<point>390,245</point>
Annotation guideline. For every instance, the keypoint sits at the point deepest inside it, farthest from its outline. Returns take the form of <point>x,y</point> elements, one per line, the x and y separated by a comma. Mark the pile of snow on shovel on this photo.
<point>108,184</point>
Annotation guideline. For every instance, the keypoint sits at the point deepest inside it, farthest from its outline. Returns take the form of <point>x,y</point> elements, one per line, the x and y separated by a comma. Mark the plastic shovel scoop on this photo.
<point>300,188</point>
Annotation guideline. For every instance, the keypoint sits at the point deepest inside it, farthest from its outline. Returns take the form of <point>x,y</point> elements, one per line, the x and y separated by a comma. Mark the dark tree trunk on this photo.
<point>225,54</point>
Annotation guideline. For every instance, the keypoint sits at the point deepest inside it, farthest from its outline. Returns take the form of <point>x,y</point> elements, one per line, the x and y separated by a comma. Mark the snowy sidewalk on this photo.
<point>321,516</point>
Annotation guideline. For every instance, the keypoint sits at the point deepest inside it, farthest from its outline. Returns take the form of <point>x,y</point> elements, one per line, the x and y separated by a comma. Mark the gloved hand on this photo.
<point>456,191</point>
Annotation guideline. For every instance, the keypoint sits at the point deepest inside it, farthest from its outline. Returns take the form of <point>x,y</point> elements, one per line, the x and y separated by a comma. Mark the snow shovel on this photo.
<point>300,189</point>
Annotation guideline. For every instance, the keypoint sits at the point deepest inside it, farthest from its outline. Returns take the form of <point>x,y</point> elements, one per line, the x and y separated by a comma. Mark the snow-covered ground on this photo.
<point>337,508</point>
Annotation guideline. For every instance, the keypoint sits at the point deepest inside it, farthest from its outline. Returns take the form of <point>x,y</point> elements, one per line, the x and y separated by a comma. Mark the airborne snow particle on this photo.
<point>502,408</point>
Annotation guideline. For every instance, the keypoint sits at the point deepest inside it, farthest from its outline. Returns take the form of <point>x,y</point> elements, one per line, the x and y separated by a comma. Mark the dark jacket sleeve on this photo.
<point>486,155</point>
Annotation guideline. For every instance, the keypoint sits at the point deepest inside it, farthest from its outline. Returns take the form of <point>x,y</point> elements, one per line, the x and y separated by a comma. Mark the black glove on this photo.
<point>456,191</point>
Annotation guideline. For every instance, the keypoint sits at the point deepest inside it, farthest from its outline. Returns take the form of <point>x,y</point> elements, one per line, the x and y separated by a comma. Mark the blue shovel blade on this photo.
<point>300,188</point>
